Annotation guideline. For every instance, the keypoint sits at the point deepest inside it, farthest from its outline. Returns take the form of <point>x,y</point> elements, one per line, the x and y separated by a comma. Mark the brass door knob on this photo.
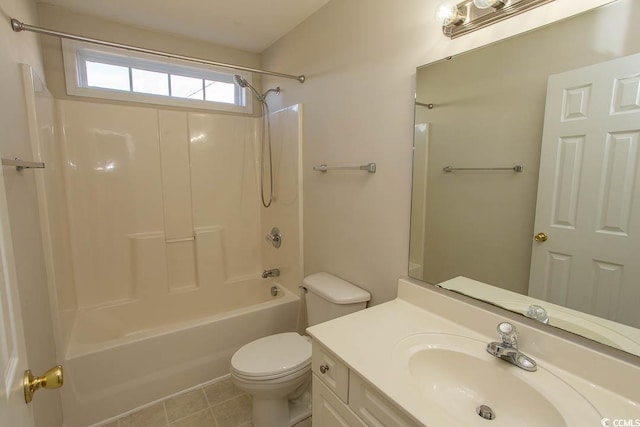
<point>53,378</point>
<point>541,237</point>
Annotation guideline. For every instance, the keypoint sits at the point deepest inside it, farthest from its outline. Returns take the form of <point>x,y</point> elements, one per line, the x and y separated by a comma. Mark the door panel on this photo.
<point>588,192</point>
<point>13,358</point>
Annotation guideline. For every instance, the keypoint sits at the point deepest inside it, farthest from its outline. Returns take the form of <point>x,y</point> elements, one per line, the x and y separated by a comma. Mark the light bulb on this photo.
<point>486,4</point>
<point>447,13</point>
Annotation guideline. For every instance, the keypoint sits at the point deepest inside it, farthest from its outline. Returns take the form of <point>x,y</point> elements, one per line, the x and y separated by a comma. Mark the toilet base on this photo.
<point>281,412</point>
<point>300,409</point>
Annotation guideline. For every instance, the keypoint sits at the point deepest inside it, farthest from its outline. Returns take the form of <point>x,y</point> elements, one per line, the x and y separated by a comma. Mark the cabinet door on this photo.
<point>374,408</point>
<point>328,410</point>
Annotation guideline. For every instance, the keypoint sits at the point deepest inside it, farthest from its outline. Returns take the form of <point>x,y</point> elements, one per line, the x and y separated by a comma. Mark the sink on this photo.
<point>455,375</point>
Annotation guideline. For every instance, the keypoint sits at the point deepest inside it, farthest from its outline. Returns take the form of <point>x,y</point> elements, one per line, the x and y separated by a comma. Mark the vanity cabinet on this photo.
<point>329,410</point>
<point>342,398</point>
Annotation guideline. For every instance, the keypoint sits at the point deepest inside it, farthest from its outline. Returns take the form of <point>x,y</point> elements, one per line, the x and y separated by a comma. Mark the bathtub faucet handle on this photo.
<point>275,237</point>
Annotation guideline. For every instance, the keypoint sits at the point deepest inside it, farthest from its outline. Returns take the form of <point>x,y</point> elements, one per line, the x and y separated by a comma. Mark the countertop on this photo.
<point>366,340</point>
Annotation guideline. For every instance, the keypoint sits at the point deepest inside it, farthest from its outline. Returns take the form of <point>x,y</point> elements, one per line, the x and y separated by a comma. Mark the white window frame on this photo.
<point>75,52</point>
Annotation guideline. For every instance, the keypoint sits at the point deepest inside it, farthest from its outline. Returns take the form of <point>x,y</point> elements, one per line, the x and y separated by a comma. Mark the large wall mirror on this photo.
<point>559,238</point>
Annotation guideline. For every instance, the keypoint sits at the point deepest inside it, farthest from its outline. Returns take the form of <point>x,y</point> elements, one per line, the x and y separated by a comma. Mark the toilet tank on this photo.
<point>328,297</point>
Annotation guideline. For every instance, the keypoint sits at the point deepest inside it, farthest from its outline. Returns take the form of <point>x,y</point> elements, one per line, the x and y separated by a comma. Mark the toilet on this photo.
<point>276,370</point>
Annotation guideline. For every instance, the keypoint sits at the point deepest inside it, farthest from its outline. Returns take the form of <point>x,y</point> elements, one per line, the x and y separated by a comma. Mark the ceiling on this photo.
<point>251,25</point>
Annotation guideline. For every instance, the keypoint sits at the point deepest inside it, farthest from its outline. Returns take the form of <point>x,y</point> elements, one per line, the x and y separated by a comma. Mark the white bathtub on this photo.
<point>126,355</point>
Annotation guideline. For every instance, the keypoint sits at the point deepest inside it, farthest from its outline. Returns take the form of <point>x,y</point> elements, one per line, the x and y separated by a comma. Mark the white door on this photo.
<point>13,359</point>
<point>589,192</point>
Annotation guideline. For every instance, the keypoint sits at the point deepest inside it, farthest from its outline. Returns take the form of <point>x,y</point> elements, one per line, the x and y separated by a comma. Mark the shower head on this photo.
<point>243,83</point>
<point>240,81</point>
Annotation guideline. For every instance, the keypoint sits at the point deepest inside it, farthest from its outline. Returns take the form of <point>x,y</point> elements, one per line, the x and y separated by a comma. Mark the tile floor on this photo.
<point>219,404</point>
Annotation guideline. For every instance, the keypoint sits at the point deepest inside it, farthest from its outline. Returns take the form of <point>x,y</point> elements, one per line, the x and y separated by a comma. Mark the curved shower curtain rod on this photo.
<point>18,26</point>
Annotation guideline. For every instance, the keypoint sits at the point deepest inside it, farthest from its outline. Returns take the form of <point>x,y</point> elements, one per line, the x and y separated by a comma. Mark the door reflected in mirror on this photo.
<point>564,102</point>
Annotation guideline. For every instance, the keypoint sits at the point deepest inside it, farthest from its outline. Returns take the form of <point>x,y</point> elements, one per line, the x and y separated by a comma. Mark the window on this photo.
<point>102,72</point>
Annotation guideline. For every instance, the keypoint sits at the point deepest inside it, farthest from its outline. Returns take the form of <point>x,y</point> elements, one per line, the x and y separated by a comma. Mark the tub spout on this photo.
<point>274,272</point>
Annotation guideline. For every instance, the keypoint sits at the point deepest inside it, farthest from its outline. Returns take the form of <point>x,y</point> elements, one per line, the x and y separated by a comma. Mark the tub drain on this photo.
<point>485,412</point>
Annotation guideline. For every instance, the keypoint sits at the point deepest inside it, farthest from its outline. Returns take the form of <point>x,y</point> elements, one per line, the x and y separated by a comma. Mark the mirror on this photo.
<point>563,102</point>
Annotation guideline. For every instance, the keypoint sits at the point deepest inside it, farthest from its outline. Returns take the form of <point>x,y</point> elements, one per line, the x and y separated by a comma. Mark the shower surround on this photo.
<point>154,239</point>
<point>160,202</point>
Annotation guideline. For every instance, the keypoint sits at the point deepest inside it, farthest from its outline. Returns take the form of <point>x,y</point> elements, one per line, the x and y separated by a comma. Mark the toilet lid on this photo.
<point>272,355</point>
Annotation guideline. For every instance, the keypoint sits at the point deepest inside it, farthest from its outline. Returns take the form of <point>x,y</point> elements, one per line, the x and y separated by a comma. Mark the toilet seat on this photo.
<point>272,357</point>
<point>272,380</point>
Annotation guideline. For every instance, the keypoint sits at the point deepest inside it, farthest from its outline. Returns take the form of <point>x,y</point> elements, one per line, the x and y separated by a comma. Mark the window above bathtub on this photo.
<point>122,75</point>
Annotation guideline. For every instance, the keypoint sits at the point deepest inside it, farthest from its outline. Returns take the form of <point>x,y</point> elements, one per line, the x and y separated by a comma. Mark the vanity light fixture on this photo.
<point>449,14</point>
<point>486,4</point>
<point>470,15</point>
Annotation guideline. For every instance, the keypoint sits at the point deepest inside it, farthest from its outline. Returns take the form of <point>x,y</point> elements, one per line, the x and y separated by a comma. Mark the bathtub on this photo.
<point>125,355</point>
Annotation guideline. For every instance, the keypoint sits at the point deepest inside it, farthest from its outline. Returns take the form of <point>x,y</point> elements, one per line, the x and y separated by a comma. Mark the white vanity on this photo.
<point>341,397</point>
<point>421,360</point>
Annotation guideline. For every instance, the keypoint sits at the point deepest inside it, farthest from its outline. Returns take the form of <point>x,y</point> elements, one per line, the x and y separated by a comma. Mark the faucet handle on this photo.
<point>538,313</point>
<point>275,238</point>
<point>508,333</point>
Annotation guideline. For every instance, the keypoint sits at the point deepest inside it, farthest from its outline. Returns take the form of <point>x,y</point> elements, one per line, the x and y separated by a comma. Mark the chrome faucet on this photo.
<point>508,349</point>
<point>274,272</point>
<point>538,313</point>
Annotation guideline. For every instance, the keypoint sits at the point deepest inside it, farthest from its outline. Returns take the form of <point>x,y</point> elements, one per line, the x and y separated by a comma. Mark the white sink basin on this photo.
<point>456,375</point>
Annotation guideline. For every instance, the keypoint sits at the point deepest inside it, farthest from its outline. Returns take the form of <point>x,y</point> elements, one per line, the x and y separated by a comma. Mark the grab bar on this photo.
<point>181,239</point>
<point>370,167</point>
<point>22,164</point>
<point>516,168</point>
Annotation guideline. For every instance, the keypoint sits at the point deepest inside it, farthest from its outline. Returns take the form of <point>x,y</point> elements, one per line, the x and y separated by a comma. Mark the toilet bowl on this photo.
<point>276,370</point>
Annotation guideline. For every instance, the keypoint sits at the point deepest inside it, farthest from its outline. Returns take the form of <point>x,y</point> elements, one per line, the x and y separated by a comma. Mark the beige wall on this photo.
<point>23,204</point>
<point>61,19</point>
<point>360,59</point>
